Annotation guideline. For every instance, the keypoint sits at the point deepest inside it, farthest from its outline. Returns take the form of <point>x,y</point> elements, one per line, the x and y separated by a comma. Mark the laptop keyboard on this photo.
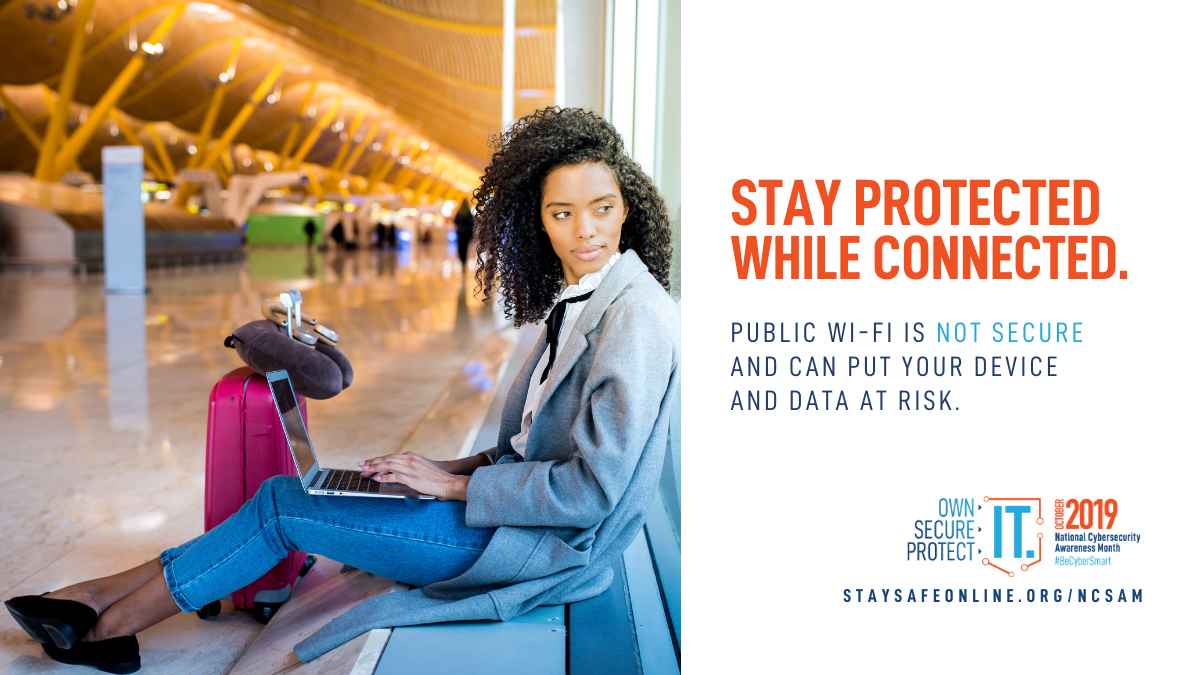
<point>344,480</point>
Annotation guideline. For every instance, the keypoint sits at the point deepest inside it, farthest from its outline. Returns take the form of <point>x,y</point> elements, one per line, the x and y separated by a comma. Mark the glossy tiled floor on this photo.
<point>102,432</point>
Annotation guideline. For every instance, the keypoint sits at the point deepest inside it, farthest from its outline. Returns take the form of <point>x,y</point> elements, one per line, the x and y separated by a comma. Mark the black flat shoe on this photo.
<point>118,655</point>
<point>62,622</point>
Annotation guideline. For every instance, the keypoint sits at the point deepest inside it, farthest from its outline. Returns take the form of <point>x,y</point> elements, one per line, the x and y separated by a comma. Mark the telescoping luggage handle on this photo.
<point>287,313</point>
<point>291,301</point>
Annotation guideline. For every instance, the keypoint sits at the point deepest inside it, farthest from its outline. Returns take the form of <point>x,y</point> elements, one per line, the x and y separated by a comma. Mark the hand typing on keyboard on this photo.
<point>417,472</point>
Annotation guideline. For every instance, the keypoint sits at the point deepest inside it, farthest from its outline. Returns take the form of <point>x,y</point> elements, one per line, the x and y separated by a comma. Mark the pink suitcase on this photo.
<point>246,446</point>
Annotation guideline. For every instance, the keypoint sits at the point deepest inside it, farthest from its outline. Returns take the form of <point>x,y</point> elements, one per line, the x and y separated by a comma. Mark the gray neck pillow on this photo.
<point>318,372</point>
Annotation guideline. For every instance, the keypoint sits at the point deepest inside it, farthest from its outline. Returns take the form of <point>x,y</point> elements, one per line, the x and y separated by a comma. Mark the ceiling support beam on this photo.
<point>294,131</point>
<point>378,170</point>
<point>331,178</point>
<point>439,191</point>
<point>119,33</point>
<point>51,96</point>
<point>132,137</point>
<point>410,177</point>
<point>66,93</point>
<point>314,185</point>
<point>430,180</point>
<point>164,76</point>
<point>78,140</point>
<point>383,178</point>
<point>163,158</point>
<point>225,142</point>
<point>357,153</point>
<point>405,177</point>
<point>410,173</point>
<point>409,152</point>
<point>214,108</point>
<point>381,164</point>
<point>296,160</point>
<point>222,173</point>
<point>421,189</point>
<point>21,121</point>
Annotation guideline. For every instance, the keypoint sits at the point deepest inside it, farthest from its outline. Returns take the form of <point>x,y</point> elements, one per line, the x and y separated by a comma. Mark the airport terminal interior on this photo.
<point>319,146</point>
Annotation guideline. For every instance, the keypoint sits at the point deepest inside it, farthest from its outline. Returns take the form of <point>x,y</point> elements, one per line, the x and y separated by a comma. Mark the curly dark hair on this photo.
<point>508,207</point>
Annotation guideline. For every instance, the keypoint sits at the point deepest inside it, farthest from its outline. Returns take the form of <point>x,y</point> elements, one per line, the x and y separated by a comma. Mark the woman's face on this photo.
<point>582,213</point>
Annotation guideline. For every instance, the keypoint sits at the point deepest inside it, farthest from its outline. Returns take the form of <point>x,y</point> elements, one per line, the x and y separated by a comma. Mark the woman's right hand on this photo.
<point>459,467</point>
<point>417,472</point>
<point>366,466</point>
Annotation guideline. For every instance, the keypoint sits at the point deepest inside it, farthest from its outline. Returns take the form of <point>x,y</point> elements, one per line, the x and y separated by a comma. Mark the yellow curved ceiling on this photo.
<point>422,78</point>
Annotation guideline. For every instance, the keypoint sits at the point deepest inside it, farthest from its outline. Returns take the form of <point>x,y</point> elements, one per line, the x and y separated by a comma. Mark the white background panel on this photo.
<point>785,509</point>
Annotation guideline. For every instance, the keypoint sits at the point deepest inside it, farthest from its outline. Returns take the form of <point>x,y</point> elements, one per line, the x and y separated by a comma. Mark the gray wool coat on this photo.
<point>591,469</point>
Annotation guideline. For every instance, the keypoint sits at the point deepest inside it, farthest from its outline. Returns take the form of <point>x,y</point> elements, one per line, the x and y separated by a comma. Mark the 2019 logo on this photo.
<point>1020,538</point>
<point>1016,540</point>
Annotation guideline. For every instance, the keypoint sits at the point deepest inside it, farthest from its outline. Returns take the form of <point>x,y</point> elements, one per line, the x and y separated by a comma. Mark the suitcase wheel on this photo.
<point>210,610</point>
<point>265,610</point>
<point>308,564</point>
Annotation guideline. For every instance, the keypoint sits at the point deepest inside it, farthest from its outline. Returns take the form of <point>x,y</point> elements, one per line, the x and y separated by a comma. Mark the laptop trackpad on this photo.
<point>401,490</point>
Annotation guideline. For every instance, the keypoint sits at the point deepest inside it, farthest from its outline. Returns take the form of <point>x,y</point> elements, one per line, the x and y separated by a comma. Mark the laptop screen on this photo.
<point>293,424</point>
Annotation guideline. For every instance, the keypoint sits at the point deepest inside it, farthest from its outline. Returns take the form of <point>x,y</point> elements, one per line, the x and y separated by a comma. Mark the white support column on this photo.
<point>645,101</point>
<point>624,69</point>
<point>508,78</point>
<point>124,220</point>
<point>583,64</point>
<point>669,172</point>
<point>560,56</point>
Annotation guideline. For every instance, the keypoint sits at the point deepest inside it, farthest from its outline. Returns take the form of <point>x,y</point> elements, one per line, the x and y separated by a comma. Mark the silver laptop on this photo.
<point>318,481</point>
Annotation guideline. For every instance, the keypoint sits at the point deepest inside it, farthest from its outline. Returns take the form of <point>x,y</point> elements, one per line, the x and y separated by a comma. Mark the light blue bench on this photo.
<point>633,628</point>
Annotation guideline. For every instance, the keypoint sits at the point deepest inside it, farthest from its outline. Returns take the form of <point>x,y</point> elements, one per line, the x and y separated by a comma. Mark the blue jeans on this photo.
<point>413,542</point>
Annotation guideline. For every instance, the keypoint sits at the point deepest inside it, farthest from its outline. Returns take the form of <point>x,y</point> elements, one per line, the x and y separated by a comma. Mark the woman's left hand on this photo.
<point>419,473</point>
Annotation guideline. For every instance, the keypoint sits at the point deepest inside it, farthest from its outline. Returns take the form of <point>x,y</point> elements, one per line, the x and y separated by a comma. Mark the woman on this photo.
<point>570,225</point>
